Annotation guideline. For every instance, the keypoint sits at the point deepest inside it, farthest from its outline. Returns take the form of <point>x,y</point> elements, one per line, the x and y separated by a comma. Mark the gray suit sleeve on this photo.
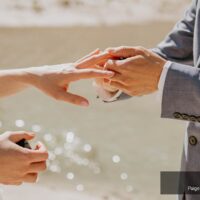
<point>178,45</point>
<point>181,94</point>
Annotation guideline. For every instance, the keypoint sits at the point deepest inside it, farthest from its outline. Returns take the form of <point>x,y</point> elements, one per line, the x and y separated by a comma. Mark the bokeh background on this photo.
<point>111,151</point>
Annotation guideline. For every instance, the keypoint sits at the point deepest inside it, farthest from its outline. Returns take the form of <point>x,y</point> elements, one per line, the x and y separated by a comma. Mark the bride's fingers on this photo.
<point>92,61</point>
<point>91,73</point>
<point>95,52</point>
<point>61,95</point>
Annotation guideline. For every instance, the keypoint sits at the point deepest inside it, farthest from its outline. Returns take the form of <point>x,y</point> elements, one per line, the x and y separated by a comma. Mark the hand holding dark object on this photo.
<point>20,164</point>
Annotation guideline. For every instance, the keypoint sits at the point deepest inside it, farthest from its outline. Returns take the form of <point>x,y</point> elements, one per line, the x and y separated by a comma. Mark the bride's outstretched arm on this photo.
<point>54,80</point>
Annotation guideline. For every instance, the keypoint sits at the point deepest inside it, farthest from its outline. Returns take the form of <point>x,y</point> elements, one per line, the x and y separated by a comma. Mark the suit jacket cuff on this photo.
<point>181,93</point>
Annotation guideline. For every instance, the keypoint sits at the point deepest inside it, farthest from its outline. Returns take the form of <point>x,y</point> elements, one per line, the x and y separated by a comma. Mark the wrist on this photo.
<point>30,76</point>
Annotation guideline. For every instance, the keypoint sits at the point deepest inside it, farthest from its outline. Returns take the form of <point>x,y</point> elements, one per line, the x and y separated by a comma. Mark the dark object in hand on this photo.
<point>24,143</point>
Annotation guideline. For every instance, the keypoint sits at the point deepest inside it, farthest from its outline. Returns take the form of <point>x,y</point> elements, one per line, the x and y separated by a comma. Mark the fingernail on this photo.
<point>85,103</point>
<point>110,73</point>
<point>97,50</point>
<point>32,134</point>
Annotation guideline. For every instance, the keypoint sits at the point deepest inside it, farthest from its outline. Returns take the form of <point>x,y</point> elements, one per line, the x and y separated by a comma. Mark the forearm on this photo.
<point>14,80</point>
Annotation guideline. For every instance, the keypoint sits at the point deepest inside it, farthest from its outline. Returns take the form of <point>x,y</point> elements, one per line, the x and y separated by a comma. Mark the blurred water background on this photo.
<point>87,12</point>
<point>108,151</point>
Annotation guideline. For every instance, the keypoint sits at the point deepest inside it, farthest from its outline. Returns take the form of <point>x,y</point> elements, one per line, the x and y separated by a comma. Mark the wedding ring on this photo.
<point>98,66</point>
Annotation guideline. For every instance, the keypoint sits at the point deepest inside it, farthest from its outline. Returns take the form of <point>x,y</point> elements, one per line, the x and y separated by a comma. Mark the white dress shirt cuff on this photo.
<point>106,95</point>
<point>162,80</point>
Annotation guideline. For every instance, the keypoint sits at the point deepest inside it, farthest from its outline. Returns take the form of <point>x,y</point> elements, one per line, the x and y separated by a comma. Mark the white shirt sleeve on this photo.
<point>162,80</point>
<point>105,94</point>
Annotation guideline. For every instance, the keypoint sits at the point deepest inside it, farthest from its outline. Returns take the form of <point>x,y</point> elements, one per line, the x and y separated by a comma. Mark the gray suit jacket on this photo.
<point>181,94</point>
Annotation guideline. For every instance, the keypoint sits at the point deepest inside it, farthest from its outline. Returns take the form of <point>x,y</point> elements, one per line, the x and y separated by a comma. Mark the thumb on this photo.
<point>19,135</point>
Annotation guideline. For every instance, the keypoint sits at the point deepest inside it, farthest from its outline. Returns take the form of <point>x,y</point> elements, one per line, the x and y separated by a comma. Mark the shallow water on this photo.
<point>111,151</point>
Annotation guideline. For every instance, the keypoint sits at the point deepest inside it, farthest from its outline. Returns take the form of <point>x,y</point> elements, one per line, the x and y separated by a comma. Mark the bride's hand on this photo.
<point>54,80</point>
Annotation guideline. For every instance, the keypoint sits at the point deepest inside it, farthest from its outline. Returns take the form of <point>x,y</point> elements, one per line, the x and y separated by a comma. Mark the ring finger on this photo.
<point>120,78</point>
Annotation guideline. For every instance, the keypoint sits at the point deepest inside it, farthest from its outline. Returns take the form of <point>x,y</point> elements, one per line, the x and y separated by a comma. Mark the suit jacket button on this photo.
<point>178,115</point>
<point>198,119</point>
<point>193,118</point>
<point>193,140</point>
<point>185,117</point>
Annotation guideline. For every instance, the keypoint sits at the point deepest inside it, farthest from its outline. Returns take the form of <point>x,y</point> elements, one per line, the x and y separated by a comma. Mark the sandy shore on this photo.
<point>146,144</point>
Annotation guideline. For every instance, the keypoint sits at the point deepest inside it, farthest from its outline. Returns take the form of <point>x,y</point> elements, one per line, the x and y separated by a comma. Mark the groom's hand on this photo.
<point>19,164</point>
<point>137,70</point>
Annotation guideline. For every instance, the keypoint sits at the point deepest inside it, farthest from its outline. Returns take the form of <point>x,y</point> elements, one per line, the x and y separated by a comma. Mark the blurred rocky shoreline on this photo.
<point>88,12</point>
